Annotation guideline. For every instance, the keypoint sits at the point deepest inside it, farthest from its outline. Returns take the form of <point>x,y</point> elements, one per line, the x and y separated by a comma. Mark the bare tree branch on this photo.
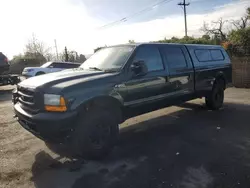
<point>36,48</point>
<point>216,28</point>
<point>242,23</point>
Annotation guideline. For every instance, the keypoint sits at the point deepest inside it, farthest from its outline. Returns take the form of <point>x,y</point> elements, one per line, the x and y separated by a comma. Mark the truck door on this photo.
<point>181,73</point>
<point>152,86</point>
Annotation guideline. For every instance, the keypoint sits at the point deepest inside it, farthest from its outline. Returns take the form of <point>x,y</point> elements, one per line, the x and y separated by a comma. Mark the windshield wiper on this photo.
<point>95,68</point>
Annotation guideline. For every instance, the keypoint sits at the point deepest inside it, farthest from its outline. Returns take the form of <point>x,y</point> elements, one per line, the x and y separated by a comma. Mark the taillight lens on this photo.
<point>6,60</point>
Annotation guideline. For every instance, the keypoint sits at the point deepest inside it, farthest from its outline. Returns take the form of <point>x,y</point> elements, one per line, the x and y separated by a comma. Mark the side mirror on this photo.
<point>139,68</point>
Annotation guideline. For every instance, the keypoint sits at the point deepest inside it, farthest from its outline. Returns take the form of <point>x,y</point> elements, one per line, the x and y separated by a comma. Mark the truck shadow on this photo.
<point>191,147</point>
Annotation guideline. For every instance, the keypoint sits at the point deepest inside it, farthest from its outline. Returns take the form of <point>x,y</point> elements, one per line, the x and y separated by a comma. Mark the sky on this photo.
<point>78,24</point>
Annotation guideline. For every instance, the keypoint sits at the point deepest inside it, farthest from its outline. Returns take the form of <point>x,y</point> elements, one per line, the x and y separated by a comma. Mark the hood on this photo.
<point>60,78</point>
<point>26,68</point>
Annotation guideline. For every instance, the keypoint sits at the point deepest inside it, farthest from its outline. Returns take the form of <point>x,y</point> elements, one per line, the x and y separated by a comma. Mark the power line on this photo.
<point>184,4</point>
<point>124,19</point>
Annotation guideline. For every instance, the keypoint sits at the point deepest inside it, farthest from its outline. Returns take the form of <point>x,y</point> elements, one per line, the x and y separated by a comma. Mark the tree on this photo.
<point>243,21</point>
<point>131,41</point>
<point>73,56</point>
<point>66,55</point>
<point>240,40</point>
<point>240,36</point>
<point>82,58</point>
<point>216,28</point>
<point>206,37</point>
<point>37,56</point>
<point>37,49</point>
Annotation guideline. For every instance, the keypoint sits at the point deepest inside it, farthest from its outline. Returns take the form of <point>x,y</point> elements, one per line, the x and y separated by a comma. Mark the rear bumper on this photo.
<point>52,127</point>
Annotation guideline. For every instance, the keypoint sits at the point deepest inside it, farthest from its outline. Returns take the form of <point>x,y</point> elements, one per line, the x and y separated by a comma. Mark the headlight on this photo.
<point>54,103</point>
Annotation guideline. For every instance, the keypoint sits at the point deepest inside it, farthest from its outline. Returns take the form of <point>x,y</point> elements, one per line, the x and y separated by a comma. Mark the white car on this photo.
<point>48,67</point>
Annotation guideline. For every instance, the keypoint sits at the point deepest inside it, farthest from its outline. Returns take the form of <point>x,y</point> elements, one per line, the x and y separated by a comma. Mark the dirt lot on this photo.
<point>185,146</point>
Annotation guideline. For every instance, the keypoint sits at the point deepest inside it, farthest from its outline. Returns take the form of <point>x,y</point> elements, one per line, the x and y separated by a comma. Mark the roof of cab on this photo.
<point>153,43</point>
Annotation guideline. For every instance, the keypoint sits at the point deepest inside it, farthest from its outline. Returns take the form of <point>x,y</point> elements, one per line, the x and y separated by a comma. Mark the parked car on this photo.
<point>4,63</point>
<point>6,78</point>
<point>48,67</point>
<point>83,107</point>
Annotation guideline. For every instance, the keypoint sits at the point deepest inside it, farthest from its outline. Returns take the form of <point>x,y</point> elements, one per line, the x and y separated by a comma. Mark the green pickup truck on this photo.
<point>83,107</point>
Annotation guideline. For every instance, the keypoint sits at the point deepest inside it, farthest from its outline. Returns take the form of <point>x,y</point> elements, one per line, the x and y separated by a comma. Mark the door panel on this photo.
<point>152,86</point>
<point>181,74</point>
<point>146,89</point>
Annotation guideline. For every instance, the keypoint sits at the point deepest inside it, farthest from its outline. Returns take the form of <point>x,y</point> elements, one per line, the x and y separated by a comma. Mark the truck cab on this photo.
<point>83,107</point>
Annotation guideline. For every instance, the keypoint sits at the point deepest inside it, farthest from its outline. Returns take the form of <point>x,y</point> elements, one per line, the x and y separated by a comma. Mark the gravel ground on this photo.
<point>185,146</point>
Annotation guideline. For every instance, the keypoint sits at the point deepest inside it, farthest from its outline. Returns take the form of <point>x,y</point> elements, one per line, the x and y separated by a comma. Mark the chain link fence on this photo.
<point>240,56</point>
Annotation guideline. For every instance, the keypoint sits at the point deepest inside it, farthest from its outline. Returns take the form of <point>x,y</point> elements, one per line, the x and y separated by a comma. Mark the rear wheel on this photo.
<point>215,99</point>
<point>95,134</point>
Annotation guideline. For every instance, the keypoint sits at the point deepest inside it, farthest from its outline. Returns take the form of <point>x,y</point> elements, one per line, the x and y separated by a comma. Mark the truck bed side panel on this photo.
<point>208,66</point>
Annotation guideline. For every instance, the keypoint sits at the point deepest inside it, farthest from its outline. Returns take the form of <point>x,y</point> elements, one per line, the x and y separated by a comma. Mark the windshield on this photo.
<point>45,65</point>
<point>112,58</point>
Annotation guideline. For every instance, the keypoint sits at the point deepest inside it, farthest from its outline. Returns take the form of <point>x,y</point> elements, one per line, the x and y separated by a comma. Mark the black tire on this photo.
<point>95,134</point>
<point>40,73</point>
<point>215,99</point>
<point>5,82</point>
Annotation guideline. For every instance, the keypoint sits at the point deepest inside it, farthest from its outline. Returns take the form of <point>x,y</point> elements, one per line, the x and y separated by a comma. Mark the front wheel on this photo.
<point>215,99</point>
<point>95,134</point>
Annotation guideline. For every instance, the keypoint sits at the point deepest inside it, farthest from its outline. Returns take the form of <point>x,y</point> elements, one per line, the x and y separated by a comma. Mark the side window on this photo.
<point>52,65</point>
<point>60,65</point>
<point>175,57</point>
<point>71,66</point>
<point>151,56</point>
<point>216,55</point>
<point>203,55</point>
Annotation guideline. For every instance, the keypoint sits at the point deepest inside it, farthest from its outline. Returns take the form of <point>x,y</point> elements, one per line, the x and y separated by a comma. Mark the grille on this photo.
<point>27,99</point>
<point>26,96</point>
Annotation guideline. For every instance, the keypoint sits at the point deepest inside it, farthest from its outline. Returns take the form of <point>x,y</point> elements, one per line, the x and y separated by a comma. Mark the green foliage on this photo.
<point>35,55</point>
<point>190,40</point>
<point>240,37</point>
<point>19,62</point>
<point>206,37</point>
<point>240,40</point>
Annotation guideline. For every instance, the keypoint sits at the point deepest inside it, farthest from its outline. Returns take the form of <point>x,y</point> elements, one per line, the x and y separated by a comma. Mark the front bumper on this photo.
<point>27,74</point>
<point>52,127</point>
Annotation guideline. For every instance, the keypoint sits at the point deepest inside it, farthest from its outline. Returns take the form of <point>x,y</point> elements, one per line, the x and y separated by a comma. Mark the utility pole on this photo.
<point>184,4</point>
<point>56,49</point>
